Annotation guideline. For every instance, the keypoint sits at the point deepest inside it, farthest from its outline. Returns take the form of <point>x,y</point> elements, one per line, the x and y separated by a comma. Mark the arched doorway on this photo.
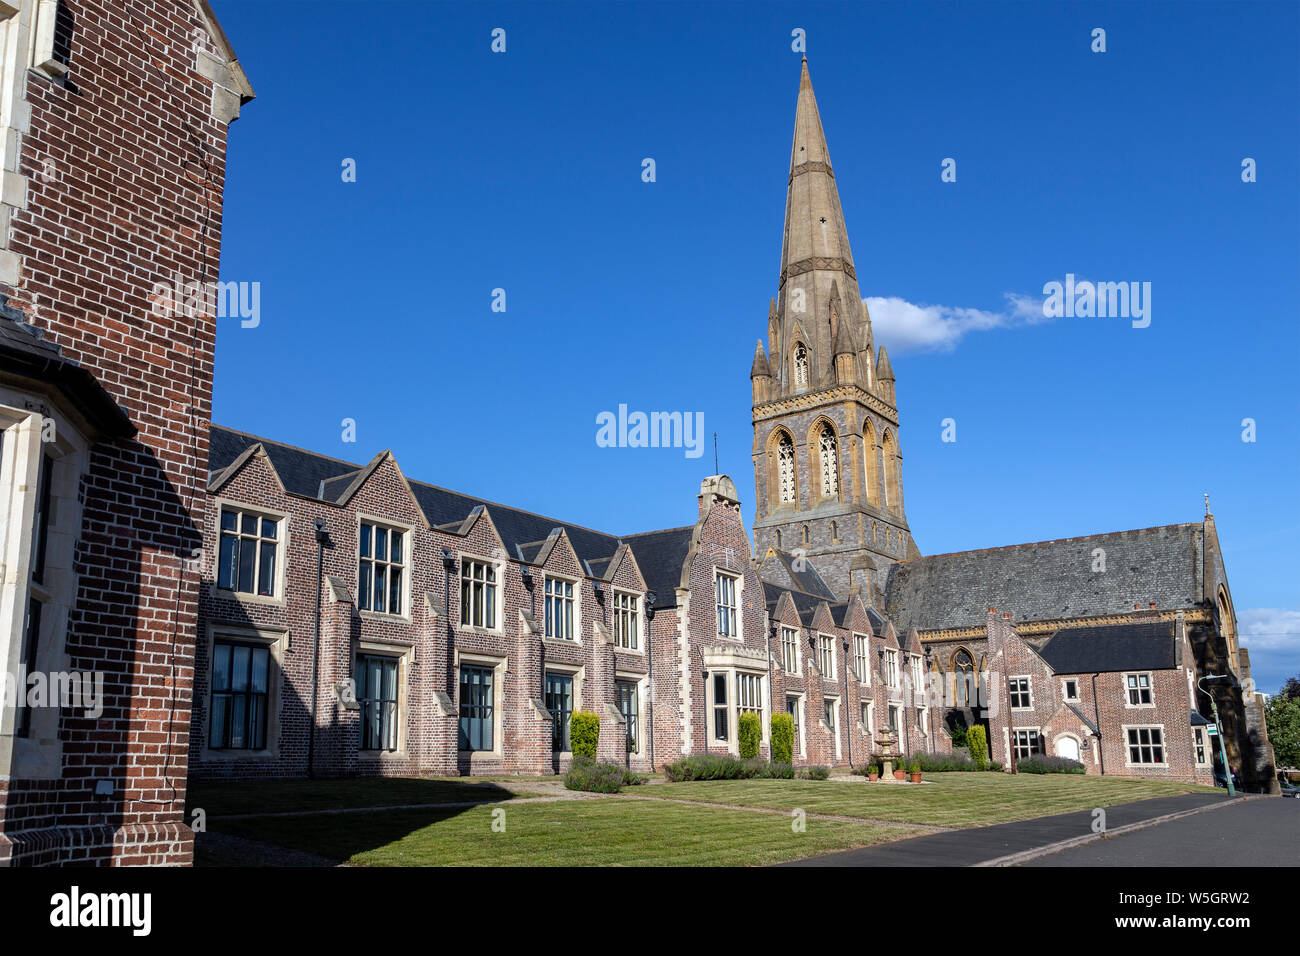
<point>1067,747</point>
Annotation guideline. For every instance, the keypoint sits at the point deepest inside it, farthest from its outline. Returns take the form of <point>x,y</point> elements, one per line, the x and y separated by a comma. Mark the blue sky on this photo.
<point>522,171</point>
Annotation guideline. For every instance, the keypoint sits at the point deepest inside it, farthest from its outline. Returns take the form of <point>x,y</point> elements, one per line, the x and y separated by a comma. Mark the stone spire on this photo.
<point>815,256</point>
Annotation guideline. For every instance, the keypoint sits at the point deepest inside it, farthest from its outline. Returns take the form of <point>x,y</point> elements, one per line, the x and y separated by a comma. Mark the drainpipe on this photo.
<point>1096,712</point>
<point>649,729</point>
<point>848,730</point>
<point>322,536</point>
<point>771,677</point>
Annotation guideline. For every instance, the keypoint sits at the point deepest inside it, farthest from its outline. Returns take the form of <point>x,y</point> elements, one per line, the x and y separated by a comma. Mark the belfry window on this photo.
<point>800,364</point>
<point>829,462</point>
<point>785,467</point>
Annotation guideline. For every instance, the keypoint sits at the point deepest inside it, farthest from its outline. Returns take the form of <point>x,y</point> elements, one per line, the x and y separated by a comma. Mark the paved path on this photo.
<point>980,844</point>
<point>1263,832</point>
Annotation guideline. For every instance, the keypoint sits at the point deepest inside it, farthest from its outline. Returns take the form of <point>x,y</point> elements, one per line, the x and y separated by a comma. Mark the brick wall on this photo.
<point>125,166</point>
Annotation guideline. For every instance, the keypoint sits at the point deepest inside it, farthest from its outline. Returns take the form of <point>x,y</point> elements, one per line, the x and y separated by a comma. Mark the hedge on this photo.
<point>1045,763</point>
<point>718,767</point>
<point>584,733</point>
<point>751,734</point>
<point>783,738</point>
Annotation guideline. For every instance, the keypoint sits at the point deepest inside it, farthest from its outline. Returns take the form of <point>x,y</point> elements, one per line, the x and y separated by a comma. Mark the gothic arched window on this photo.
<point>963,667</point>
<point>785,467</point>
<point>829,462</point>
<point>800,364</point>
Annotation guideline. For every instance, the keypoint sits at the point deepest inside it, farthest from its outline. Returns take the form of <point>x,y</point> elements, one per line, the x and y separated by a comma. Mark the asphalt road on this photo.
<point>978,844</point>
<point>1263,832</point>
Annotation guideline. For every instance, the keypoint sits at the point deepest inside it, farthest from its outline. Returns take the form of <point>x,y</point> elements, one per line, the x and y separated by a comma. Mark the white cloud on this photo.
<point>1272,635</point>
<point>905,326</point>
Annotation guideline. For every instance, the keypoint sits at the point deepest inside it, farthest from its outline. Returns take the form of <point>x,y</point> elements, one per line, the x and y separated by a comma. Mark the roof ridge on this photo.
<point>1030,544</point>
<point>642,534</point>
<point>298,448</point>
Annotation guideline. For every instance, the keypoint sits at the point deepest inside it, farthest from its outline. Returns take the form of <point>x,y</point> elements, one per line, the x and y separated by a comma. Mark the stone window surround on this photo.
<point>1164,745</point>
<point>404,655</point>
<point>1150,688</point>
<point>276,641</point>
<point>835,702</point>
<point>726,664</point>
<point>1065,695</point>
<point>869,728</point>
<point>864,677</point>
<point>825,641</point>
<point>801,713</point>
<point>783,630</point>
<point>281,555</point>
<point>23,415</point>
<point>739,578</point>
<point>1029,690</point>
<point>408,532</point>
<point>577,671</point>
<point>638,611</point>
<point>500,667</point>
<point>1203,745</point>
<point>578,607</point>
<point>642,682</point>
<point>499,565</point>
<point>1027,730</point>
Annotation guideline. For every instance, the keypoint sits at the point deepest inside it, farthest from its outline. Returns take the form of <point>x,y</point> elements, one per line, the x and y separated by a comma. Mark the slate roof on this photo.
<point>1145,645</point>
<point>1050,580</point>
<point>659,554</point>
<point>808,578</point>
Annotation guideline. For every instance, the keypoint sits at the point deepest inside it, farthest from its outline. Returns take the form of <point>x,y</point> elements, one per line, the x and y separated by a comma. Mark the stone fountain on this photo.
<point>887,752</point>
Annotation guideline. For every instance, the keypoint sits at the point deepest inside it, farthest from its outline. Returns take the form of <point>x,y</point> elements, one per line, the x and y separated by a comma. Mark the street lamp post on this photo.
<point>1218,731</point>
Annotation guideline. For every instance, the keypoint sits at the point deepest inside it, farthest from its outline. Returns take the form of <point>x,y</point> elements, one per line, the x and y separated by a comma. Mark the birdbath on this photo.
<point>886,752</point>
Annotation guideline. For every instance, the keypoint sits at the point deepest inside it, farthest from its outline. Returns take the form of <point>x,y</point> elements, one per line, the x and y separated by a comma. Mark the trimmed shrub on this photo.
<point>584,733</point>
<point>944,763</point>
<point>719,767</point>
<point>751,734</point>
<point>978,742</point>
<point>631,779</point>
<point>1045,763</point>
<point>585,774</point>
<point>815,772</point>
<point>783,738</point>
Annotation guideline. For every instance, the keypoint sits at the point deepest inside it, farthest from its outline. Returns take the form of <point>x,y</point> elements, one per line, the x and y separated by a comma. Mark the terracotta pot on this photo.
<point>873,777</point>
<point>899,775</point>
<point>915,777</point>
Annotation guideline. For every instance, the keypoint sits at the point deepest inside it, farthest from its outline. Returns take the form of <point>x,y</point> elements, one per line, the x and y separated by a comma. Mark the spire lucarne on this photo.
<point>815,257</point>
<point>821,393</point>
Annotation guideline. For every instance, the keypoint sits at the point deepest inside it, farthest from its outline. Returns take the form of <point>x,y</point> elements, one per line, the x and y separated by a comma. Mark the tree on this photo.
<point>1282,714</point>
<point>1291,688</point>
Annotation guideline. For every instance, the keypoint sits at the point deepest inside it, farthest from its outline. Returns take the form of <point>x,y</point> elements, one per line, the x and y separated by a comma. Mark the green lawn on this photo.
<point>250,796</point>
<point>610,832</point>
<point>949,800</point>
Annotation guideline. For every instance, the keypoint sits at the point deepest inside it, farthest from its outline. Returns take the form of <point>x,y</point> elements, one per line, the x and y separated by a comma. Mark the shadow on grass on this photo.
<point>224,799</point>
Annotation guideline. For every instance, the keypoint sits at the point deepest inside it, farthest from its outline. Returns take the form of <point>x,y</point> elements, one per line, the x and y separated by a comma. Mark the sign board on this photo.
<point>1212,729</point>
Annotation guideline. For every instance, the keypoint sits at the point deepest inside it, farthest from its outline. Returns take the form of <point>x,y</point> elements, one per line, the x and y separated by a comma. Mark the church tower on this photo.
<point>827,459</point>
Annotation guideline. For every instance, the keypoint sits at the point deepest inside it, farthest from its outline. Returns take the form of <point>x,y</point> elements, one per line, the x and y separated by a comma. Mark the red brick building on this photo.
<point>114,118</point>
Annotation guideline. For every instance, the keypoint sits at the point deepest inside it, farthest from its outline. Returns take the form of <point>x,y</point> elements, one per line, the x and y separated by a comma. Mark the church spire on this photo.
<point>815,255</point>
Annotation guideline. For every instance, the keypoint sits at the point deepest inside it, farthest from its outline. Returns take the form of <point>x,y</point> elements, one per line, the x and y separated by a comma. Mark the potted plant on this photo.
<point>899,772</point>
<point>873,773</point>
<point>915,769</point>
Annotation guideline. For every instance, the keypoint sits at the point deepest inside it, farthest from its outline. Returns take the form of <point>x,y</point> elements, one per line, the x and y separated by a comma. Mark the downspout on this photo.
<point>649,730</point>
<point>1101,751</point>
<point>322,535</point>
<point>771,677</point>
<point>848,724</point>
